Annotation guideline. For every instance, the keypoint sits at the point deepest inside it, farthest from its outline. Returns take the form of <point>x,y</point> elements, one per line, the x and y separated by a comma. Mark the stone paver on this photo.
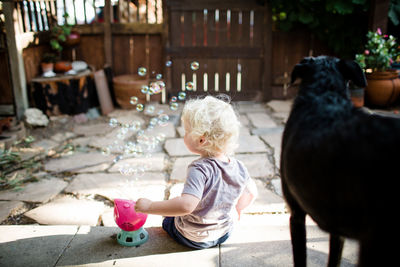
<point>7,207</point>
<point>179,168</point>
<point>176,147</point>
<point>77,161</point>
<point>261,120</point>
<point>266,201</point>
<point>156,162</point>
<point>258,165</point>
<point>283,106</point>
<point>264,240</point>
<point>274,140</point>
<point>67,211</point>
<point>41,191</point>
<point>33,245</point>
<point>91,130</point>
<point>151,185</point>
<point>251,144</point>
<point>101,249</point>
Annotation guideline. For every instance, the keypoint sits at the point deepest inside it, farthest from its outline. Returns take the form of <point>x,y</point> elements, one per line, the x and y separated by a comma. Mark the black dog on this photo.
<point>339,165</point>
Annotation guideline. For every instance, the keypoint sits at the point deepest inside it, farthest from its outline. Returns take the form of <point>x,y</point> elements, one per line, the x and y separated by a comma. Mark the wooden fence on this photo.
<point>236,48</point>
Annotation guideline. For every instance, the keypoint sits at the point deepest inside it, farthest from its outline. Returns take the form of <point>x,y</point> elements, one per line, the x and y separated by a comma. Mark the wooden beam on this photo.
<point>379,15</point>
<point>107,33</point>
<point>18,78</point>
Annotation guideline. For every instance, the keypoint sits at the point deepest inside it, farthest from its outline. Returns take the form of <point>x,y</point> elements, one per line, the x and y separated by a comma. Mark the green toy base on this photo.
<point>132,238</point>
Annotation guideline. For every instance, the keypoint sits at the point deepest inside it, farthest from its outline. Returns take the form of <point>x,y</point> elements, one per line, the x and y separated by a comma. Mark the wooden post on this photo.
<point>107,33</point>
<point>267,71</point>
<point>18,78</point>
<point>379,15</point>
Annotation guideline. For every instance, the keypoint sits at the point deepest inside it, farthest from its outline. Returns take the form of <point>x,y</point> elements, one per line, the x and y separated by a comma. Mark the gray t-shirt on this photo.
<point>218,185</point>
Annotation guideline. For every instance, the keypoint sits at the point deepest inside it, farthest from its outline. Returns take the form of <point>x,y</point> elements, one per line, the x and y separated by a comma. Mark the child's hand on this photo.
<point>143,205</point>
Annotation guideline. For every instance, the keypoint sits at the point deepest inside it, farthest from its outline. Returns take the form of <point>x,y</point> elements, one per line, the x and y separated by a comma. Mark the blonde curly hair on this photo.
<point>216,121</point>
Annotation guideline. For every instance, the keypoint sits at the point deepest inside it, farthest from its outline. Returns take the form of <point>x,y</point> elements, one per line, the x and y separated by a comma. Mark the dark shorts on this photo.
<point>169,226</point>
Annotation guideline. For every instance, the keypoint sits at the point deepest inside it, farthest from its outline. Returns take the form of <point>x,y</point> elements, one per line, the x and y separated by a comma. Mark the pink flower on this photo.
<point>366,52</point>
<point>378,31</point>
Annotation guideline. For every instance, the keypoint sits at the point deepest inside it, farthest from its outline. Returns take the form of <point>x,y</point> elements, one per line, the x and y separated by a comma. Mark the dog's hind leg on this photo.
<point>335,250</point>
<point>298,235</point>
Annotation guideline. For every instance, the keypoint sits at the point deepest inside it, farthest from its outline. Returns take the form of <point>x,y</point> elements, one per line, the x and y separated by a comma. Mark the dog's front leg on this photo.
<point>298,235</point>
<point>335,250</point>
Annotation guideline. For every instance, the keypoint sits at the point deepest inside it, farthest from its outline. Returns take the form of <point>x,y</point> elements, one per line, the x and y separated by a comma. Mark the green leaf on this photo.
<point>306,18</point>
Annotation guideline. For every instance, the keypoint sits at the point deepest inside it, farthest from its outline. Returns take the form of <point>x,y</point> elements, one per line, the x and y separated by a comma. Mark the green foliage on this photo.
<point>59,34</point>
<point>341,24</point>
<point>394,12</point>
<point>380,52</point>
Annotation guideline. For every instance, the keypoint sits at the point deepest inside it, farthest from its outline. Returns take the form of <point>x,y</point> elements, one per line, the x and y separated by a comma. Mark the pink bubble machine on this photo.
<point>131,223</point>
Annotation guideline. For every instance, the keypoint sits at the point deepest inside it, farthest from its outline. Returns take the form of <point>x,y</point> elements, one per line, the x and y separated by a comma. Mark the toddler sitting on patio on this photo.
<point>217,184</point>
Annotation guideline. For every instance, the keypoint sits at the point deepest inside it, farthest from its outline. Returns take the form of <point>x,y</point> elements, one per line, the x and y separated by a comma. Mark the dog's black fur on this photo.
<point>339,164</point>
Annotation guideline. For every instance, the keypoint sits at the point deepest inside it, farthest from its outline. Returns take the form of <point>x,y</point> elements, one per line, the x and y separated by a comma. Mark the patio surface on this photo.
<point>66,218</point>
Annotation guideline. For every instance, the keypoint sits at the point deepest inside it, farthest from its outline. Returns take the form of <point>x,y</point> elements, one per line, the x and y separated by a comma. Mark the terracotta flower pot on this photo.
<point>47,66</point>
<point>62,66</point>
<point>383,88</point>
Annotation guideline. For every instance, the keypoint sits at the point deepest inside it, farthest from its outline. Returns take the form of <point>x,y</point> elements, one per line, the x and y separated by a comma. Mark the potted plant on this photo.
<point>380,52</point>
<point>60,37</point>
<point>47,63</point>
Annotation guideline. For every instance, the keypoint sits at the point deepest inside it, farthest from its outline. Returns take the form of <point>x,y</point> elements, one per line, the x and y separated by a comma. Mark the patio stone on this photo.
<point>92,130</point>
<point>249,107</point>
<point>102,249</point>
<point>34,245</point>
<point>181,131</point>
<point>61,137</point>
<point>7,207</point>
<point>261,120</point>
<point>258,165</point>
<point>266,201</point>
<point>251,144</point>
<point>179,168</point>
<point>151,185</point>
<point>67,211</point>
<point>109,138</point>
<point>156,162</point>
<point>176,147</point>
<point>41,191</point>
<point>168,130</point>
<point>280,105</point>
<point>77,161</point>
<point>274,140</point>
<point>46,145</point>
<point>126,116</point>
<point>277,184</point>
<point>244,120</point>
<point>81,141</point>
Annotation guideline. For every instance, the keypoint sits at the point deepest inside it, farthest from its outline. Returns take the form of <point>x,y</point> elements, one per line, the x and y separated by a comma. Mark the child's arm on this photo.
<point>178,206</point>
<point>248,196</point>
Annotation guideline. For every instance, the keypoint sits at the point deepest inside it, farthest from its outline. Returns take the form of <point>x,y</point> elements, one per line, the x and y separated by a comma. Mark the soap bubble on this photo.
<point>189,86</point>
<point>154,88</point>
<point>149,110</point>
<point>159,76</point>
<point>194,65</point>
<point>135,126</point>
<point>160,137</point>
<point>142,71</point>
<point>105,151</point>
<point>118,158</point>
<point>134,100</point>
<point>153,121</point>
<point>163,119</point>
<point>113,122</point>
<point>181,95</point>
<point>145,89</point>
<point>139,107</point>
<point>173,99</point>
<point>168,63</point>
<point>173,106</point>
